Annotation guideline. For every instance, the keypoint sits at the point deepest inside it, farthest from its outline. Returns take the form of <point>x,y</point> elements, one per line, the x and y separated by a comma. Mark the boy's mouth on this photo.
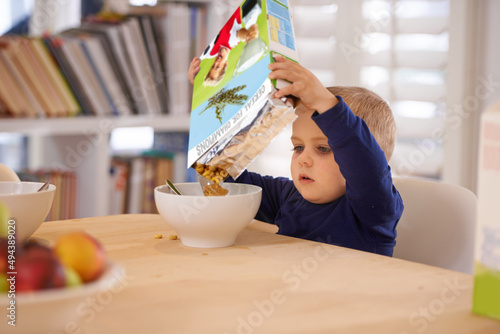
<point>303,178</point>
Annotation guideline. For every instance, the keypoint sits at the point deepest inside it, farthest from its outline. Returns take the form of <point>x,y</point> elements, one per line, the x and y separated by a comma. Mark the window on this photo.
<point>399,49</point>
<point>13,12</point>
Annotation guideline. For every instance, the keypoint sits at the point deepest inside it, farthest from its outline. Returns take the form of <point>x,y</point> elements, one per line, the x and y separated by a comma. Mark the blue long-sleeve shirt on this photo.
<point>365,218</point>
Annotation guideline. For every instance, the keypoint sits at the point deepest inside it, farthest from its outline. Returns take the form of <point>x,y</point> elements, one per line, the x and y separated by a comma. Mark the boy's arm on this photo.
<point>362,162</point>
<point>273,190</point>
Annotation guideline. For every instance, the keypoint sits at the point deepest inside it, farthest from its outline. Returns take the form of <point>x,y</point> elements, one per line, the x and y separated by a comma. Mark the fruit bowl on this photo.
<point>208,221</point>
<point>61,310</point>
<point>26,206</point>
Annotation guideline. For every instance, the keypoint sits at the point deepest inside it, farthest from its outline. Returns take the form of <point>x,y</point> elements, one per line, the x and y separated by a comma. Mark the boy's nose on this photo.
<point>305,159</point>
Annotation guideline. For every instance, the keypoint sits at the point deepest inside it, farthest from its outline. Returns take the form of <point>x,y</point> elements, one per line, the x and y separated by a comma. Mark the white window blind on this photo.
<point>397,48</point>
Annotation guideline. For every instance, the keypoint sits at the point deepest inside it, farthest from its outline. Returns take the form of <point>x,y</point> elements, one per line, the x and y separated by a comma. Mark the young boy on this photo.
<point>341,191</point>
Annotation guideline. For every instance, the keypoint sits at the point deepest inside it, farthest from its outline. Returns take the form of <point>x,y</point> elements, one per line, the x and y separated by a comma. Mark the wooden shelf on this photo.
<point>89,125</point>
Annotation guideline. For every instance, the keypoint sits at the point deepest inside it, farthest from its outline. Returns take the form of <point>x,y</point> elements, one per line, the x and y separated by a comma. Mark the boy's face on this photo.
<point>314,171</point>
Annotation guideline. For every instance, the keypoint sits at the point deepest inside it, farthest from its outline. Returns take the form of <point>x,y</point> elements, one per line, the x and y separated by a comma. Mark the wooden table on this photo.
<point>266,283</point>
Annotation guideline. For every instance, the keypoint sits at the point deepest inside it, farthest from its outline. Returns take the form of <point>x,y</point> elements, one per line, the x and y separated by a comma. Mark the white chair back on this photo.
<point>438,224</point>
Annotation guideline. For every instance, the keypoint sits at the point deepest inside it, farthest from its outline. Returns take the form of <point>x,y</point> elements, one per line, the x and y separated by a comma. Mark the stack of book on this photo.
<point>177,143</point>
<point>30,83</point>
<point>64,204</point>
<point>133,179</point>
<point>111,65</point>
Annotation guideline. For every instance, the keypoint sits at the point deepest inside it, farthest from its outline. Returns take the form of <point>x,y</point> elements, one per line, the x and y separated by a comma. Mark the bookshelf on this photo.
<point>83,147</point>
<point>82,144</point>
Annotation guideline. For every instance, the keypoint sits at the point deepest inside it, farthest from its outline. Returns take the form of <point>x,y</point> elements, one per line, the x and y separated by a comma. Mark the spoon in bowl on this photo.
<point>45,186</point>
<point>172,187</point>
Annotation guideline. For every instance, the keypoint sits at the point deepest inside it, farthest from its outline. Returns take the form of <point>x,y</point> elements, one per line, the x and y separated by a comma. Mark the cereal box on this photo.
<point>233,114</point>
<point>486,298</point>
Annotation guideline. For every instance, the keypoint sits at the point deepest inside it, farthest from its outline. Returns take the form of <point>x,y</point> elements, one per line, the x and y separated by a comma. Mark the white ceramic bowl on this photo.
<point>27,207</point>
<point>61,310</point>
<point>208,222</point>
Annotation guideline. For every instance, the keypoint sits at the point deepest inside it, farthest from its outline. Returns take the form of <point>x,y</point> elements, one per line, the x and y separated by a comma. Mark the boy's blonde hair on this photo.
<point>374,111</point>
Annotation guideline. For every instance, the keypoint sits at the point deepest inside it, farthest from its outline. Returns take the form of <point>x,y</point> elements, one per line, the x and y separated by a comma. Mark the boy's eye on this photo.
<point>324,149</point>
<point>298,148</point>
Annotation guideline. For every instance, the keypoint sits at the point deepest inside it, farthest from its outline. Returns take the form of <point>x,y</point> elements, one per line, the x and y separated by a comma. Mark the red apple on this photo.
<point>82,252</point>
<point>37,268</point>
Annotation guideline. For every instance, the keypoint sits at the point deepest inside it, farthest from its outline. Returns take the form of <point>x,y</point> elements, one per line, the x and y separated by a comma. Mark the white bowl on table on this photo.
<point>27,207</point>
<point>60,310</point>
<point>208,221</point>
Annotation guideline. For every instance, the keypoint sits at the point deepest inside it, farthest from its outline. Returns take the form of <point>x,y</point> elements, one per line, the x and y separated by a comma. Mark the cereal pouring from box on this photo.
<point>210,179</point>
<point>233,115</point>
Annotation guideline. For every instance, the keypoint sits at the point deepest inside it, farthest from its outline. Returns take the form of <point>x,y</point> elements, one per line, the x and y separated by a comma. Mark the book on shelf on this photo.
<point>148,205</point>
<point>111,65</point>
<point>179,62</point>
<point>78,59</point>
<point>100,61</point>
<point>199,22</point>
<point>64,203</point>
<point>55,78</point>
<point>158,76</point>
<point>134,178</point>
<point>119,178</point>
<point>59,51</point>
<point>135,46</point>
<point>136,185</point>
<point>173,24</point>
<point>110,35</point>
<point>17,95</point>
<point>176,142</point>
<point>16,98</point>
<point>34,76</point>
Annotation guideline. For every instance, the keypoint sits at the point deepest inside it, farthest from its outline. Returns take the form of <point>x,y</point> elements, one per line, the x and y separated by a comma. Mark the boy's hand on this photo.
<point>304,85</point>
<point>194,68</point>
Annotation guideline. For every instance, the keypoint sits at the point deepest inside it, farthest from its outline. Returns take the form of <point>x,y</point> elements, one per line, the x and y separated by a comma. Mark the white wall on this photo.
<point>488,51</point>
<point>487,64</point>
